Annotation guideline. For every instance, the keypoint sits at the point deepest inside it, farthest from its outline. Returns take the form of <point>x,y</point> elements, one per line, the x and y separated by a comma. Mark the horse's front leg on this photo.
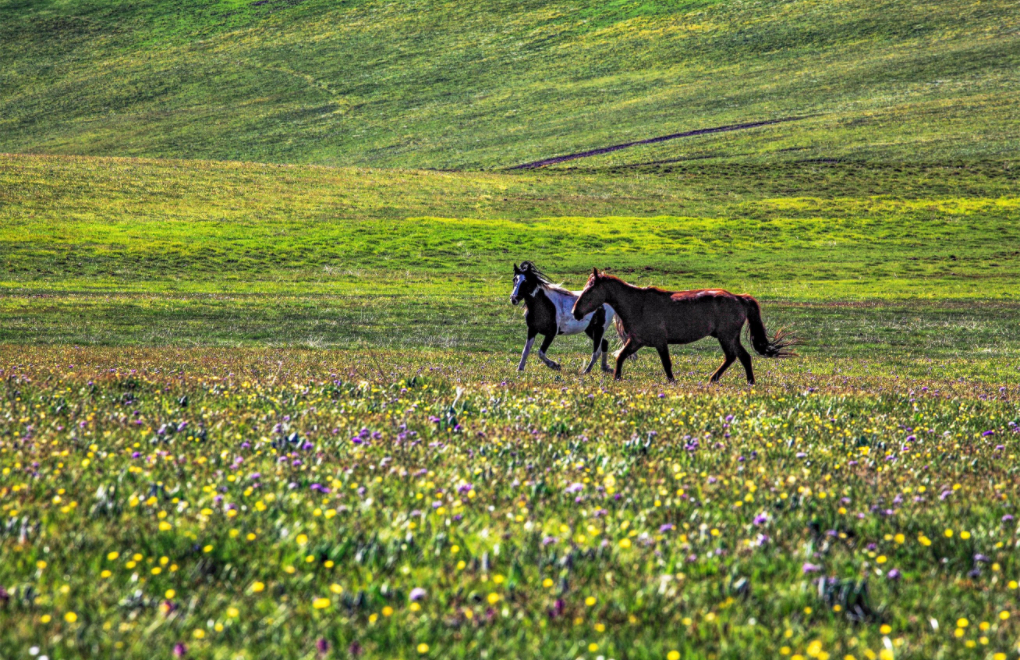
<point>545,347</point>
<point>598,349</point>
<point>628,349</point>
<point>527,350</point>
<point>605,356</point>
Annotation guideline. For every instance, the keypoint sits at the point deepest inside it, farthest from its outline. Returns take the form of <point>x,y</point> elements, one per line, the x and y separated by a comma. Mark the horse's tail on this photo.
<point>779,345</point>
<point>620,332</point>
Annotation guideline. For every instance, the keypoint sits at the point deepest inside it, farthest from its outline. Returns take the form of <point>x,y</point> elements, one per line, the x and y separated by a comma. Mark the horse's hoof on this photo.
<point>607,370</point>
<point>555,367</point>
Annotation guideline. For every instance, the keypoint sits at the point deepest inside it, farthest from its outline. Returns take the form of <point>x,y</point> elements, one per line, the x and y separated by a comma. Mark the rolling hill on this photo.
<point>486,84</point>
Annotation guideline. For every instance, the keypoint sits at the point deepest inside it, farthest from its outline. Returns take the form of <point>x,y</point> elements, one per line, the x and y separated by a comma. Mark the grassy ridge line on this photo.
<point>812,232</point>
<point>496,84</point>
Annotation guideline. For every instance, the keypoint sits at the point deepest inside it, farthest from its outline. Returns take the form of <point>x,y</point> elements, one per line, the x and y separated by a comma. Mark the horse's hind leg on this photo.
<point>731,356</point>
<point>667,363</point>
<point>745,359</point>
<point>545,347</point>
<point>605,356</point>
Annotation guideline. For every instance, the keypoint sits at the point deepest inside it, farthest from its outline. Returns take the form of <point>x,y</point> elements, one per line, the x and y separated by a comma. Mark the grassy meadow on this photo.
<point>253,410</point>
<point>254,502</point>
<point>258,387</point>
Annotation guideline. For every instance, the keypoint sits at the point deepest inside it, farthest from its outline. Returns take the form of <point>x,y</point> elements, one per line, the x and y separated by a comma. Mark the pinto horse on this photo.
<point>658,318</point>
<point>548,312</point>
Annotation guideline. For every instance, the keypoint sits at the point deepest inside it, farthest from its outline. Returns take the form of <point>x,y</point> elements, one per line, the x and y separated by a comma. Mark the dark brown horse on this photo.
<point>655,317</point>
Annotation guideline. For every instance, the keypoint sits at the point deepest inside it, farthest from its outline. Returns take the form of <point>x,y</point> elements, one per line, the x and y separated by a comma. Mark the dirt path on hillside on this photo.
<point>662,138</point>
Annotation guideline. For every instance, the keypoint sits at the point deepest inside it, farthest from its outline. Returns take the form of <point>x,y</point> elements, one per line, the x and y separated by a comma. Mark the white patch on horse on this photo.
<point>564,301</point>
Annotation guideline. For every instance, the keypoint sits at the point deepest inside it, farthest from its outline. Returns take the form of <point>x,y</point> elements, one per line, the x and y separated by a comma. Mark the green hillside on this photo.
<point>489,84</point>
<point>916,260</point>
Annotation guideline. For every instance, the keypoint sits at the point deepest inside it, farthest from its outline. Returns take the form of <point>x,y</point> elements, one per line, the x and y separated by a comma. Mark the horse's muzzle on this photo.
<point>514,300</point>
<point>577,314</point>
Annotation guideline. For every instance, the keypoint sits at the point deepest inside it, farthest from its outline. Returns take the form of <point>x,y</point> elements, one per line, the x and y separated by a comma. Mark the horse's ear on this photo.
<point>517,271</point>
<point>595,273</point>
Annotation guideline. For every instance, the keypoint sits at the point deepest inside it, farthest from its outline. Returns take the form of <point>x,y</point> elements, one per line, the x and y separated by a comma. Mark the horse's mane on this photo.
<point>543,279</point>
<point>606,276</point>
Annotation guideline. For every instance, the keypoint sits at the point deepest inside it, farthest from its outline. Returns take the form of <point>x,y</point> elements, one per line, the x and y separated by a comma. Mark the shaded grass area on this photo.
<point>492,84</point>
<point>904,330</point>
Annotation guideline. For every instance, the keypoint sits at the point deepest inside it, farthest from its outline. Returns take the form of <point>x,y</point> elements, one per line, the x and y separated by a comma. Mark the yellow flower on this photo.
<point>589,601</point>
<point>673,655</point>
<point>964,535</point>
<point>423,648</point>
<point>593,647</point>
<point>885,629</point>
<point>881,559</point>
<point>233,612</point>
<point>493,598</point>
<point>336,588</point>
<point>40,564</point>
<point>70,617</point>
<point>258,586</point>
<point>164,526</point>
<point>198,633</point>
<point>948,533</point>
<point>624,543</point>
<point>302,539</point>
<point>387,611</point>
<point>962,623</point>
<point>1004,614</point>
<point>113,556</point>
<point>320,603</point>
<point>170,593</point>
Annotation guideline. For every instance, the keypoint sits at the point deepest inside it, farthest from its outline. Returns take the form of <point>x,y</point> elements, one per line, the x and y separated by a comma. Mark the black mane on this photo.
<point>529,268</point>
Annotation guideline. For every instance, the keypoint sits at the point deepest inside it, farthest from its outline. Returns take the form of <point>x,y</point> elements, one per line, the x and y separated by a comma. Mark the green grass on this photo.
<point>491,84</point>
<point>913,260</point>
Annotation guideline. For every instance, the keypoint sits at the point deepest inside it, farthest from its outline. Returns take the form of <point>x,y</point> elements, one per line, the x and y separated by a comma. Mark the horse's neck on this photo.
<point>622,297</point>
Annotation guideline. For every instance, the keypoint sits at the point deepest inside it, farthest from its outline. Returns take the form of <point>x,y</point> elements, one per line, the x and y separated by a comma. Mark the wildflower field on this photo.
<point>249,503</point>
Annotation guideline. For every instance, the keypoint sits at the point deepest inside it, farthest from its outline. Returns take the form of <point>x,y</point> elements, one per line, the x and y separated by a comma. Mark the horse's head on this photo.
<point>525,282</point>
<point>593,296</point>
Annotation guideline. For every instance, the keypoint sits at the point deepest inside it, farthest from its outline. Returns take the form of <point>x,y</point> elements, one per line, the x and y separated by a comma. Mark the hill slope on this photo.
<point>488,84</point>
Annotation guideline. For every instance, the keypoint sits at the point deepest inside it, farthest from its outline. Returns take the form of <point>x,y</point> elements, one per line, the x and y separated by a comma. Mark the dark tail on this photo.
<point>779,345</point>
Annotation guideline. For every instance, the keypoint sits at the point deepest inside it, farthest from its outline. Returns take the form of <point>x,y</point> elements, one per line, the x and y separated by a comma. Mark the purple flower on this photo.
<point>668,527</point>
<point>549,540</point>
<point>180,650</point>
<point>575,488</point>
<point>988,433</point>
<point>1007,518</point>
<point>810,568</point>
<point>894,574</point>
<point>760,519</point>
<point>417,594</point>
